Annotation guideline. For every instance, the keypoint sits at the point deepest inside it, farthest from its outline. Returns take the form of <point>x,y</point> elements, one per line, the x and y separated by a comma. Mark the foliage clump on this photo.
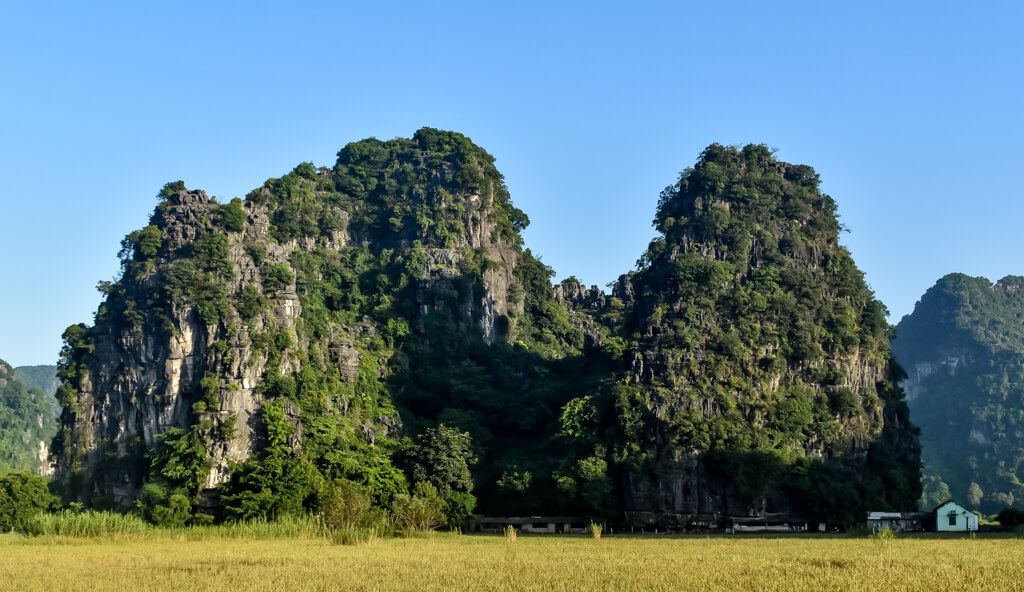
<point>23,496</point>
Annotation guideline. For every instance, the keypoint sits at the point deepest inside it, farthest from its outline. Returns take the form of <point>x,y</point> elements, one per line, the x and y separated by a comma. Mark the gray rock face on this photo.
<point>945,363</point>
<point>579,296</point>
<point>437,288</point>
<point>346,356</point>
<point>583,305</point>
<point>142,381</point>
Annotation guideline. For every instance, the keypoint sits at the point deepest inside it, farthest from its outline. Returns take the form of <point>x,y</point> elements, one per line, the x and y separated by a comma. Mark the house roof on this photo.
<point>946,503</point>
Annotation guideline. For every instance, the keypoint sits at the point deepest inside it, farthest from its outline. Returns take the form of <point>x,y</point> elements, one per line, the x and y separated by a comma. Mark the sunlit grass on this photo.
<point>108,525</point>
<point>204,561</point>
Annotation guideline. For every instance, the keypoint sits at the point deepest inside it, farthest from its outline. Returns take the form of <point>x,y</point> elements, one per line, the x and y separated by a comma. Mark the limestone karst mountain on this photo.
<point>254,349</point>
<point>759,374</point>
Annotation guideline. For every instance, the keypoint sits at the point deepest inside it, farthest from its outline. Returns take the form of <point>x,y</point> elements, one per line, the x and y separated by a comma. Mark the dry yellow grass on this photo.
<point>532,563</point>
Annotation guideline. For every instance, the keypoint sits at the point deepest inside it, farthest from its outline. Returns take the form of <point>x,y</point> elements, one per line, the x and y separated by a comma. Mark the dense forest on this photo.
<point>963,350</point>
<point>26,424</point>
<point>380,327</point>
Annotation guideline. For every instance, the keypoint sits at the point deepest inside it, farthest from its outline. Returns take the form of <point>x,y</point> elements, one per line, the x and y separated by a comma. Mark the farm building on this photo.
<point>952,517</point>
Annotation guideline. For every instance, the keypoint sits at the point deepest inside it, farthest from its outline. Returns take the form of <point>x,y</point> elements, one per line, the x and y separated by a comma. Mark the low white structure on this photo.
<point>898,521</point>
<point>952,517</point>
<point>772,522</point>
<point>536,524</point>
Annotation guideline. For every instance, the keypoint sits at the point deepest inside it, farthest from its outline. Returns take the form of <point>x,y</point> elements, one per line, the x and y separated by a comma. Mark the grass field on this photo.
<point>209,562</point>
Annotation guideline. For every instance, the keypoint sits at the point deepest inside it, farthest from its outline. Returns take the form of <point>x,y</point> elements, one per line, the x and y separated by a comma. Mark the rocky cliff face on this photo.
<point>143,374</point>
<point>209,314</point>
<point>963,351</point>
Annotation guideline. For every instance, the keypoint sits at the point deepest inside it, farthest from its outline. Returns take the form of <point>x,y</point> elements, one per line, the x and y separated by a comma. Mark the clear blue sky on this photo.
<point>911,112</point>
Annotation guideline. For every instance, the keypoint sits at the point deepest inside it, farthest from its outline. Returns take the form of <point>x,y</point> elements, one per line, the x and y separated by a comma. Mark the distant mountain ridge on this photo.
<point>963,351</point>
<point>26,424</point>
<point>42,377</point>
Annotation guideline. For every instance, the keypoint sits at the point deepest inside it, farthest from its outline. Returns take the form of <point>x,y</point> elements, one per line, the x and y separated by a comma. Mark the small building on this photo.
<point>899,521</point>
<point>952,517</point>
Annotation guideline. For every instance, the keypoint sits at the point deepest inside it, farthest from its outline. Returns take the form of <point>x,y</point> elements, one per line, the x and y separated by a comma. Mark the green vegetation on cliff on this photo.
<point>378,329</point>
<point>963,350</point>
<point>760,370</point>
<point>759,307</point>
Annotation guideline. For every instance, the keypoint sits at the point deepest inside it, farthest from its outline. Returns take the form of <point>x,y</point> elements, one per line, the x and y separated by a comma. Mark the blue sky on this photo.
<point>911,112</point>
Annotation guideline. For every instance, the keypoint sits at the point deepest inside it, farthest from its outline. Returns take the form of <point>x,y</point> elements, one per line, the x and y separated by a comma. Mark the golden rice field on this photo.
<point>530,563</point>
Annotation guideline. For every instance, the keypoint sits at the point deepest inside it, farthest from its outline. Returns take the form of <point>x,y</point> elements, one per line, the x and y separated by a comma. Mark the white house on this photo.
<point>952,517</point>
